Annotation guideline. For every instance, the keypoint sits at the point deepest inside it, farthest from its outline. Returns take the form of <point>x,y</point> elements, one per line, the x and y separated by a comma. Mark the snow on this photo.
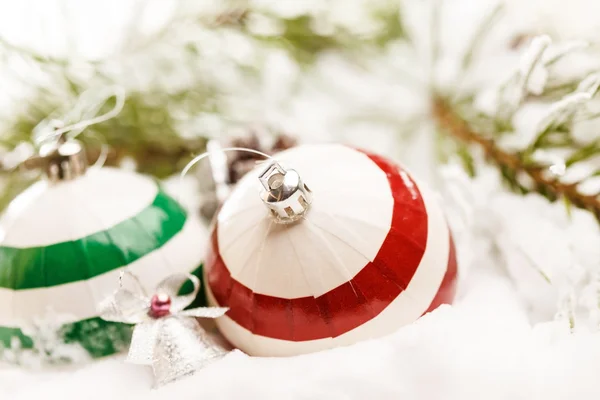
<point>482,347</point>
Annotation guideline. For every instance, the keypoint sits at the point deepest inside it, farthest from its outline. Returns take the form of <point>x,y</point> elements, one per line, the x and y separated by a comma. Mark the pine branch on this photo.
<point>513,164</point>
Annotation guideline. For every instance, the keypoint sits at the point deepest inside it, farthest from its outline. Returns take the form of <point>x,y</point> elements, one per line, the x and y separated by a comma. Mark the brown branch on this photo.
<point>459,129</point>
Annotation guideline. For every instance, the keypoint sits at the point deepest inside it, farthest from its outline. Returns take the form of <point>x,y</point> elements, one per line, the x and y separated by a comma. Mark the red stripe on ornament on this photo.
<point>447,290</point>
<point>349,305</point>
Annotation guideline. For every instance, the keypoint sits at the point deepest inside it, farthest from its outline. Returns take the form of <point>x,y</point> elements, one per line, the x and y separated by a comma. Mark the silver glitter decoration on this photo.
<point>175,345</point>
<point>182,347</point>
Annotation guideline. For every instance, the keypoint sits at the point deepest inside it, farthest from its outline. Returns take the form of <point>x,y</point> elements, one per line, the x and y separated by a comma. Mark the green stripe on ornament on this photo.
<point>93,255</point>
<point>98,337</point>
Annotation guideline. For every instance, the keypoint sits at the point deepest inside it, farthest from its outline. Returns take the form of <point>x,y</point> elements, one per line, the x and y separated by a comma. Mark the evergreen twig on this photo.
<point>544,183</point>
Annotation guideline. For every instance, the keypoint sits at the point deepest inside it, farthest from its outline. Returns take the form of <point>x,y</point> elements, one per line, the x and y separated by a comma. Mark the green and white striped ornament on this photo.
<point>63,245</point>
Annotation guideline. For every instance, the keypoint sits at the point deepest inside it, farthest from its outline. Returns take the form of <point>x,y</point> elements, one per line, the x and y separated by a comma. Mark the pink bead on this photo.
<point>160,305</point>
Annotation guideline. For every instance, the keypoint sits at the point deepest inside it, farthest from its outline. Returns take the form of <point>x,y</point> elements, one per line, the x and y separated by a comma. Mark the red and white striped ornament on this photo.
<point>358,252</point>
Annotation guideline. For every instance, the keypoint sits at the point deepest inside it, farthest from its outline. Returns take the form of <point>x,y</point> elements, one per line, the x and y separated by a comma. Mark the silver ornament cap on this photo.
<point>64,160</point>
<point>61,159</point>
<point>284,193</point>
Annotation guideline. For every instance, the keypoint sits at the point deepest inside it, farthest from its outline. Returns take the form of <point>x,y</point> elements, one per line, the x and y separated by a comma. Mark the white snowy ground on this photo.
<point>480,348</point>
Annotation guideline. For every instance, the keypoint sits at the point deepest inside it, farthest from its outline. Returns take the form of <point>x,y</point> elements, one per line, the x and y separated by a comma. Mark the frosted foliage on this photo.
<point>48,345</point>
<point>553,256</point>
<point>53,341</point>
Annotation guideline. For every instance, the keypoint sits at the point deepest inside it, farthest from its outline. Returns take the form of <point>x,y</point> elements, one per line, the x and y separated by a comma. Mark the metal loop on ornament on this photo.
<point>284,192</point>
<point>58,153</point>
<point>208,153</point>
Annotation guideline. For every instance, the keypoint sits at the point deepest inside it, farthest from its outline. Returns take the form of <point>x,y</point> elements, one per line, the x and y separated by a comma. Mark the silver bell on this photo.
<point>182,348</point>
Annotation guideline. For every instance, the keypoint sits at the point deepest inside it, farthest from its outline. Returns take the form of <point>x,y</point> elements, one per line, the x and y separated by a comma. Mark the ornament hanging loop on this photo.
<point>84,111</point>
<point>62,157</point>
<point>213,153</point>
<point>284,192</point>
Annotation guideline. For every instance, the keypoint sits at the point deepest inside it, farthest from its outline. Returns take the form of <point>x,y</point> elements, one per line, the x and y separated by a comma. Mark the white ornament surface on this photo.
<point>347,222</point>
<point>70,210</point>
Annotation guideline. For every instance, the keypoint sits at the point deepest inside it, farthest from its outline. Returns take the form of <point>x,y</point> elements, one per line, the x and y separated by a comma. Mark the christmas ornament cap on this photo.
<point>61,159</point>
<point>284,193</point>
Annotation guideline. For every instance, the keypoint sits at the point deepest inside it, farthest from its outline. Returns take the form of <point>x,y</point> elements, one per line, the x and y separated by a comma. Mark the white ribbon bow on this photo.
<point>128,307</point>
